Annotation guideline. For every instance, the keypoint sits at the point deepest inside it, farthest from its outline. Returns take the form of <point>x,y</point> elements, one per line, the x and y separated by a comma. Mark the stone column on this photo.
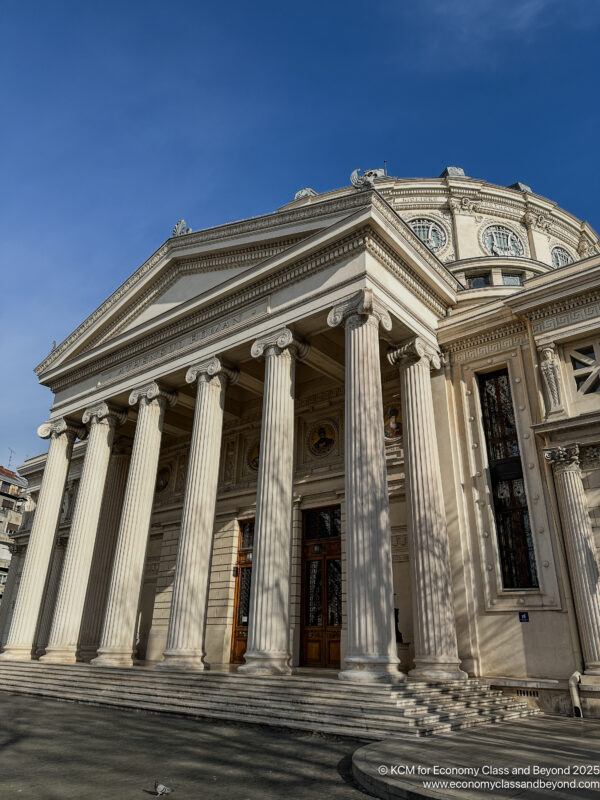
<point>104,550</point>
<point>21,638</point>
<point>436,650</point>
<point>371,653</point>
<point>50,593</point>
<point>185,638</point>
<point>268,650</point>
<point>581,552</point>
<point>102,420</point>
<point>116,646</point>
<point>16,562</point>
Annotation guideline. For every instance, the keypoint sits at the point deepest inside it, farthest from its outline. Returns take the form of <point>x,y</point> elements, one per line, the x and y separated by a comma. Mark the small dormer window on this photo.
<point>501,241</point>
<point>429,232</point>
<point>560,257</point>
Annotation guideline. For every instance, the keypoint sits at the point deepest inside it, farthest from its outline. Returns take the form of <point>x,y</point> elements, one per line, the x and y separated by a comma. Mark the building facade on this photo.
<point>12,502</point>
<point>359,433</point>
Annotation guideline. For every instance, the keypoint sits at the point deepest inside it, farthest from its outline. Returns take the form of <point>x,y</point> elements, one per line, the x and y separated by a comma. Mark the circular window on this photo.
<point>560,257</point>
<point>501,241</point>
<point>430,233</point>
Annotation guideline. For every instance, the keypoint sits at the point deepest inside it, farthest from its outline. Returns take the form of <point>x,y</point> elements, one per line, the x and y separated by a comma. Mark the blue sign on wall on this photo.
<point>523,616</point>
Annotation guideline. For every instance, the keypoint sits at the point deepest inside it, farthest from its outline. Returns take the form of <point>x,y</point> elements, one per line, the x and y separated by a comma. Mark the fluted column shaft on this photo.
<point>371,651</point>
<point>581,551</point>
<point>21,637</point>
<point>104,551</point>
<point>268,650</point>
<point>116,646</point>
<point>51,591</point>
<point>18,555</point>
<point>68,612</point>
<point>434,627</point>
<point>185,638</point>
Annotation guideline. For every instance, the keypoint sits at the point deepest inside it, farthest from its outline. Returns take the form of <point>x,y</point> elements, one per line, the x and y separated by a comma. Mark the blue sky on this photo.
<point>120,118</point>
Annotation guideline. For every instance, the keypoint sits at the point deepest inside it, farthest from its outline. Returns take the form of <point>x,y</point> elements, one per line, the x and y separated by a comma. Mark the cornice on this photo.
<point>273,221</point>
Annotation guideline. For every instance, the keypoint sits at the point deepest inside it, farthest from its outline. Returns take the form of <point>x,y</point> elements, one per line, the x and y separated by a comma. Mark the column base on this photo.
<point>266,664</point>
<point>185,660</point>
<point>430,669</point>
<point>372,669</point>
<point>16,653</point>
<point>113,658</point>
<point>60,655</point>
<point>87,653</point>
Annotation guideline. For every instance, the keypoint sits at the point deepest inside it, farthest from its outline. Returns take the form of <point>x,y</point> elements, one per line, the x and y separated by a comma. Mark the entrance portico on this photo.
<point>268,364</point>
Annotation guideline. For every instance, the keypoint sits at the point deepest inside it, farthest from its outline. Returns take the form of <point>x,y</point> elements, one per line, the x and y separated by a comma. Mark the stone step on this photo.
<point>320,704</point>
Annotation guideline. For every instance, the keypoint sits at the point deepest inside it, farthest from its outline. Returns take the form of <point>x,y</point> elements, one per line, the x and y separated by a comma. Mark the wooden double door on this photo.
<point>321,608</point>
<point>321,580</point>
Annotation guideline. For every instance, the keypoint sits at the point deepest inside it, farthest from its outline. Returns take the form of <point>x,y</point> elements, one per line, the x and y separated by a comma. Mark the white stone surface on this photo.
<point>434,628</point>
<point>21,638</point>
<point>268,623</point>
<point>371,651</point>
<point>116,646</point>
<point>185,638</point>
<point>66,624</point>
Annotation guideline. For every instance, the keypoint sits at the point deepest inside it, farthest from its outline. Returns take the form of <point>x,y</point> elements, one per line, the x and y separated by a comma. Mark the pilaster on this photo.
<point>371,653</point>
<point>436,651</point>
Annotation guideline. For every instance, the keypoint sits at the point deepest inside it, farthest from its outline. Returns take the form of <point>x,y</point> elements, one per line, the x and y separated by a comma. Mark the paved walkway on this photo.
<point>524,745</point>
<point>52,750</point>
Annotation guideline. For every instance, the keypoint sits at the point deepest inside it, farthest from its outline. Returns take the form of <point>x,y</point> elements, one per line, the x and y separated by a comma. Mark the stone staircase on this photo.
<point>315,703</point>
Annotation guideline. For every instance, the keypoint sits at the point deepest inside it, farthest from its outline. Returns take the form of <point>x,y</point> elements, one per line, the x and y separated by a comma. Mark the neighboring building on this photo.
<point>382,397</point>
<point>12,501</point>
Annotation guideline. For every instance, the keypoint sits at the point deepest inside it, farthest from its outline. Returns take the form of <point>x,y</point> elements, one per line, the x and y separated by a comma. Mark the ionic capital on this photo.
<point>213,368</point>
<point>563,459</point>
<point>362,304</point>
<point>280,340</point>
<point>152,391</point>
<point>59,426</point>
<point>413,352</point>
<point>103,412</point>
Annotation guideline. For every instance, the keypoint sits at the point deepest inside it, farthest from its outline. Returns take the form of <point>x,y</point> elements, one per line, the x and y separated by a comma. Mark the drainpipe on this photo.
<point>574,682</point>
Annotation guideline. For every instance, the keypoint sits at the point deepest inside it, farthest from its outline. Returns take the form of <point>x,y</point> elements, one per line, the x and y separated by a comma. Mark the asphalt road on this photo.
<point>52,750</point>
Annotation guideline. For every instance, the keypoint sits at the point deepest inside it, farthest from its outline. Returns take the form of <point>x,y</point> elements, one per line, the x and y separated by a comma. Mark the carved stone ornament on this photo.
<point>280,339</point>
<point>361,304</point>
<point>103,411</point>
<point>415,350</point>
<point>152,391</point>
<point>366,180</point>
<point>214,367</point>
<point>538,221</point>
<point>585,248</point>
<point>549,368</point>
<point>181,228</point>
<point>304,193</point>
<point>563,458</point>
<point>56,427</point>
<point>590,457</point>
<point>464,205</point>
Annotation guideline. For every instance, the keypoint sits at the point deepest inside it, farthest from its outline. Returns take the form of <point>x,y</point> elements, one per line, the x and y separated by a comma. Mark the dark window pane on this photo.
<point>314,594</point>
<point>517,557</point>
<point>478,281</point>
<point>324,523</point>
<point>334,591</point>
<point>244,599</point>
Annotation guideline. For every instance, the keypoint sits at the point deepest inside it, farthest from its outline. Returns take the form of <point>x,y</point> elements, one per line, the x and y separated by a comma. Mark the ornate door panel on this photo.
<point>243,572</point>
<point>321,622</point>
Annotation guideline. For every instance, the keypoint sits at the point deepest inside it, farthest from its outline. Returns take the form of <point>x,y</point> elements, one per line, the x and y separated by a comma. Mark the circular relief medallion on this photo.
<point>162,479</point>
<point>560,257</point>
<point>252,459</point>
<point>392,426</point>
<point>429,232</point>
<point>321,439</point>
